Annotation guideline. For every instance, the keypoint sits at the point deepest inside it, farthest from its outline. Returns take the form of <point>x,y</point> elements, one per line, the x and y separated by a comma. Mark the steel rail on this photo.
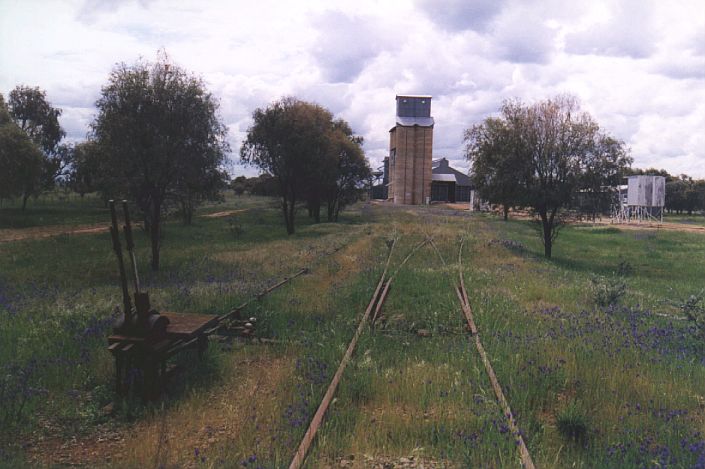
<point>526,460</point>
<point>388,284</point>
<point>317,419</point>
<point>236,310</point>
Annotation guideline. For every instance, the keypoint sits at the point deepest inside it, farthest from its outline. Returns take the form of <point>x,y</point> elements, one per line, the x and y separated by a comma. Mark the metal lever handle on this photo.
<point>115,234</point>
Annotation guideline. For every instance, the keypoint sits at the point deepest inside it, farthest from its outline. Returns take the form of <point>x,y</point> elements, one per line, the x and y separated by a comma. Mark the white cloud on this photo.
<point>638,67</point>
<point>627,29</point>
<point>460,15</point>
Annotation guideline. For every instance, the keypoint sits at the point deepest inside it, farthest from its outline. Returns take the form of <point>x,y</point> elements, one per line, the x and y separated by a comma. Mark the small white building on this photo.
<point>642,198</point>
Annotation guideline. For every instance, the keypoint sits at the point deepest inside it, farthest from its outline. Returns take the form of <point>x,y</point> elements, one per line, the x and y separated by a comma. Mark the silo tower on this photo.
<point>411,151</point>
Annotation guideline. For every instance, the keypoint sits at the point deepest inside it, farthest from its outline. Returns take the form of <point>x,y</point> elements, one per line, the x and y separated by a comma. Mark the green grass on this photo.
<point>56,208</point>
<point>591,385</point>
<point>695,219</point>
<point>663,266</point>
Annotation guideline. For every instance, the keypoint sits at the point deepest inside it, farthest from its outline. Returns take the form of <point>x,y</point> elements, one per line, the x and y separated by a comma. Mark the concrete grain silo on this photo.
<point>411,151</point>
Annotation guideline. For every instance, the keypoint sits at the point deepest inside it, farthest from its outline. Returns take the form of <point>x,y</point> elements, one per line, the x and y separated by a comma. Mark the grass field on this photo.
<point>619,385</point>
<point>695,219</point>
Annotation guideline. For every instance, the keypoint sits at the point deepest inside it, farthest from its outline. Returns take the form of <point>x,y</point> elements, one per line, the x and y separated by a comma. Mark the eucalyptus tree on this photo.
<point>21,160</point>
<point>313,157</point>
<point>289,140</point>
<point>30,110</point>
<point>161,140</point>
<point>549,151</point>
<point>350,169</point>
<point>495,168</point>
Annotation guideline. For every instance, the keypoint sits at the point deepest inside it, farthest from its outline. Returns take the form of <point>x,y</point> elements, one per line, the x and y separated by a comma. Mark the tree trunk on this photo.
<point>25,196</point>
<point>547,238</point>
<point>285,210</point>
<point>331,210</point>
<point>292,209</point>
<point>505,209</point>
<point>155,232</point>
<point>317,212</point>
<point>187,212</point>
<point>288,208</point>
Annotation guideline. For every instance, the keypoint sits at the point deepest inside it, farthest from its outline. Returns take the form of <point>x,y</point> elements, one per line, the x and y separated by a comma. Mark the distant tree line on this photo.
<point>312,158</point>
<point>263,184</point>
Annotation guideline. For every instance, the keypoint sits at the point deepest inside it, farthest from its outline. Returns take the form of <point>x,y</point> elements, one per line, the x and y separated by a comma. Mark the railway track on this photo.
<point>372,314</point>
<point>462,294</point>
<point>234,315</point>
<point>315,423</point>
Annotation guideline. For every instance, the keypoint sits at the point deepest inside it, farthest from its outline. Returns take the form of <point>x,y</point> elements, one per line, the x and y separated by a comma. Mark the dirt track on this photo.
<point>649,226</point>
<point>225,213</point>
<point>38,232</point>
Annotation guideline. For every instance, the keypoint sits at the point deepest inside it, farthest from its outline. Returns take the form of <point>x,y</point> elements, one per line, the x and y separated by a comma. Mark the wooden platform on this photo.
<point>183,331</point>
<point>182,326</point>
<point>187,325</point>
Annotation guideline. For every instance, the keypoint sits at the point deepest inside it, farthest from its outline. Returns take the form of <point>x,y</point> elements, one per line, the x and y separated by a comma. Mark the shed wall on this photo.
<point>646,191</point>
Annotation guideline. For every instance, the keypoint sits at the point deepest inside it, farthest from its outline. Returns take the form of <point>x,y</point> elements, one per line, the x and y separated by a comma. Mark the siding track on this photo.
<point>372,313</point>
<point>461,292</point>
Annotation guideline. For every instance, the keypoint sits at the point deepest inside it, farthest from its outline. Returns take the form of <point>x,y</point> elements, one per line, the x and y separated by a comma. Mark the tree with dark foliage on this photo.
<point>31,111</point>
<point>550,150</point>
<point>21,160</point>
<point>604,166</point>
<point>86,174</point>
<point>289,140</point>
<point>311,156</point>
<point>685,194</point>
<point>161,139</point>
<point>350,170</point>
<point>488,145</point>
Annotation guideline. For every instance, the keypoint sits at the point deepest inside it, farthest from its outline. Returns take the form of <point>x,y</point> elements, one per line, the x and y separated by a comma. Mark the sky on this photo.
<point>637,66</point>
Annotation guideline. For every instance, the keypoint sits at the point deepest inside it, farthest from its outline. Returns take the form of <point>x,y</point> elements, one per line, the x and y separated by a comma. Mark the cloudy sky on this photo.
<point>638,66</point>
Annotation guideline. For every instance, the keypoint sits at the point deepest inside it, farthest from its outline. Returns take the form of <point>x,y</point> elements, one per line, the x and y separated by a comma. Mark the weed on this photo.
<point>572,423</point>
<point>608,291</point>
<point>694,310</point>
<point>235,227</point>
<point>624,268</point>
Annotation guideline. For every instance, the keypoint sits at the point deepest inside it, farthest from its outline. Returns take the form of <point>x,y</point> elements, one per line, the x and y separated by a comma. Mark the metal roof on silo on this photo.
<point>412,121</point>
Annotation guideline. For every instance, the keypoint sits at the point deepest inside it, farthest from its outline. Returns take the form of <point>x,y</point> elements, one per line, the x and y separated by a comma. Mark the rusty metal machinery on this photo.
<point>141,320</point>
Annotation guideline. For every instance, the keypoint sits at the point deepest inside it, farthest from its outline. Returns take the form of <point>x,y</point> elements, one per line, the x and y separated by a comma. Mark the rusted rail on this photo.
<point>310,434</point>
<point>526,460</point>
<point>236,311</point>
<point>385,290</point>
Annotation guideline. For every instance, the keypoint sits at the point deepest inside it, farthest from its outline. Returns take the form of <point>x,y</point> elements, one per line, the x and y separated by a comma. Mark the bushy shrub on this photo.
<point>694,310</point>
<point>608,291</point>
